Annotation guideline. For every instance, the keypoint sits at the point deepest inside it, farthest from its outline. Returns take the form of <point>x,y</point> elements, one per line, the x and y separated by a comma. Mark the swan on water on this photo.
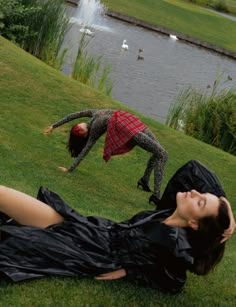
<point>180,125</point>
<point>174,37</point>
<point>86,31</point>
<point>124,45</point>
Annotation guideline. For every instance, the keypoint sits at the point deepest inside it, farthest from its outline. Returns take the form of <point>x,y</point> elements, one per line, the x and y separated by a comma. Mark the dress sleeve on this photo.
<point>157,276</point>
<point>72,116</point>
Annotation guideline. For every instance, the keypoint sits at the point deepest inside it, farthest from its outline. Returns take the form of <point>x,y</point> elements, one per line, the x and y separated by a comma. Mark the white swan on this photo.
<point>124,45</point>
<point>86,31</point>
<point>180,125</point>
<point>174,37</point>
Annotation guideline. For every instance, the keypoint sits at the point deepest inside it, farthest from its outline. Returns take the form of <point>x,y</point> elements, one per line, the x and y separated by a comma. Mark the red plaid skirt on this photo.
<point>120,129</point>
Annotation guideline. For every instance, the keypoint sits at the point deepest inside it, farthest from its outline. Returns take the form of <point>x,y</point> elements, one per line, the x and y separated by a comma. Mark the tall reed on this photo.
<point>90,69</point>
<point>50,24</point>
<point>210,117</point>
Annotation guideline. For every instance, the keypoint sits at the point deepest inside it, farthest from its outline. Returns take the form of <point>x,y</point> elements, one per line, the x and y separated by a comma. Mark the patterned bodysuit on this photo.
<point>145,139</point>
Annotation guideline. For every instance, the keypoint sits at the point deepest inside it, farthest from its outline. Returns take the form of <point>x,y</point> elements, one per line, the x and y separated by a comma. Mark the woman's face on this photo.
<point>195,205</point>
<point>82,129</point>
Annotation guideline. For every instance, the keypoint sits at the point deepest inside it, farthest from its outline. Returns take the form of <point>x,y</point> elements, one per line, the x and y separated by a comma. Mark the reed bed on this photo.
<point>91,70</point>
<point>209,117</point>
<point>51,25</point>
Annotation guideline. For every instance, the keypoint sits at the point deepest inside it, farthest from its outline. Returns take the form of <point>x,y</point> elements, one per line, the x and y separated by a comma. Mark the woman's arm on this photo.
<point>90,143</point>
<point>98,127</point>
<point>112,275</point>
<point>228,232</point>
<point>72,116</point>
<point>149,276</point>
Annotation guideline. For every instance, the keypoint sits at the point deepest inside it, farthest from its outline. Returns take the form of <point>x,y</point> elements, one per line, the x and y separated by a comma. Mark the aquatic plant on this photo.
<point>51,25</point>
<point>210,117</point>
<point>90,69</point>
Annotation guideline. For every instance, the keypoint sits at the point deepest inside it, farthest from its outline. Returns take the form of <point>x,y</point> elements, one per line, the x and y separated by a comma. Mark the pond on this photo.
<point>149,85</point>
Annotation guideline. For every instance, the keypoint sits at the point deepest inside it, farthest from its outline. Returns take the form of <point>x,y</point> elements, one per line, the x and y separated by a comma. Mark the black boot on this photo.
<point>154,199</point>
<point>144,185</point>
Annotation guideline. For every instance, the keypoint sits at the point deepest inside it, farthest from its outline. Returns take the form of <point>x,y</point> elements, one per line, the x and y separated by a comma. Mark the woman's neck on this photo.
<point>175,220</point>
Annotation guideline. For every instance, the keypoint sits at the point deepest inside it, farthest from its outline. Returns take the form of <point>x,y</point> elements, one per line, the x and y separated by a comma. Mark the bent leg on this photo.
<point>27,210</point>
<point>148,142</point>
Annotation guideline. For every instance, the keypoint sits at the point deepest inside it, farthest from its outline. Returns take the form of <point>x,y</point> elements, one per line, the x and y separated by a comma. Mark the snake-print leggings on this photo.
<point>147,141</point>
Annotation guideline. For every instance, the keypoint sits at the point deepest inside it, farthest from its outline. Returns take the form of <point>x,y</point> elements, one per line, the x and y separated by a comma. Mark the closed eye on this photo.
<point>202,203</point>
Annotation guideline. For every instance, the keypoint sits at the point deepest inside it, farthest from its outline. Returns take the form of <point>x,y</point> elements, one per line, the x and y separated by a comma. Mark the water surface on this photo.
<point>150,85</point>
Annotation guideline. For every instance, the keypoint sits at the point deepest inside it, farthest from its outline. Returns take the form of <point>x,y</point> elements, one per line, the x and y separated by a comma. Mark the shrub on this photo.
<point>220,5</point>
<point>38,26</point>
<point>15,19</point>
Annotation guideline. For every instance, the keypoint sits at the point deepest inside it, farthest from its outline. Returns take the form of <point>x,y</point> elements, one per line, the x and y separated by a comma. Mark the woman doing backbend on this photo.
<point>124,131</point>
<point>154,248</point>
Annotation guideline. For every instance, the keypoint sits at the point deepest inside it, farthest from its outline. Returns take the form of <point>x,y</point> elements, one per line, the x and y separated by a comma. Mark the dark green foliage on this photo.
<point>37,26</point>
<point>220,5</point>
<point>15,19</point>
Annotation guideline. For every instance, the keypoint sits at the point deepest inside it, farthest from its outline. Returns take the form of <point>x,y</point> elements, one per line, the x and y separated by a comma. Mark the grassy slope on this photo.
<point>32,96</point>
<point>182,17</point>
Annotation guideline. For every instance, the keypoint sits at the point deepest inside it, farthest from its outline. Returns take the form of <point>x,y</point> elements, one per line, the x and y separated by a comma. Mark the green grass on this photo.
<point>32,96</point>
<point>181,16</point>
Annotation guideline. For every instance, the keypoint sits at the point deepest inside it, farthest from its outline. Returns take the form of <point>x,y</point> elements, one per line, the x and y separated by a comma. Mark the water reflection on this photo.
<point>150,85</point>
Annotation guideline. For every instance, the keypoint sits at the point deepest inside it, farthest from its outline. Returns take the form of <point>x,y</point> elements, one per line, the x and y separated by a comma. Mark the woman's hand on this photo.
<point>63,169</point>
<point>232,226</point>
<point>48,131</point>
<point>112,275</point>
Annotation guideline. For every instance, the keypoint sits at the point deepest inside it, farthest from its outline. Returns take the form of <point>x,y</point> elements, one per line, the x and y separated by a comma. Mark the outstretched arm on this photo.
<point>72,116</point>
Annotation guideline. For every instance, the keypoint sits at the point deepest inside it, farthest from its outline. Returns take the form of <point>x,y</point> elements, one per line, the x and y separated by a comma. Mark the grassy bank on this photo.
<point>223,6</point>
<point>181,16</point>
<point>32,96</point>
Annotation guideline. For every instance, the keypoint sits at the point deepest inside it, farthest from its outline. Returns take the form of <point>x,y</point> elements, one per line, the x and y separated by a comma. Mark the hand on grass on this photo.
<point>63,169</point>
<point>48,131</point>
<point>112,275</point>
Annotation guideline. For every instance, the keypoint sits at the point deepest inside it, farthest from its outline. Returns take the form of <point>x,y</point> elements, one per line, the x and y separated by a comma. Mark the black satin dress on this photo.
<point>152,253</point>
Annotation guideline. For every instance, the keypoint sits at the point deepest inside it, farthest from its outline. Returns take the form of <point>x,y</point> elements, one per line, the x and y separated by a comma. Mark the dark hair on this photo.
<point>206,247</point>
<point>76,143</point>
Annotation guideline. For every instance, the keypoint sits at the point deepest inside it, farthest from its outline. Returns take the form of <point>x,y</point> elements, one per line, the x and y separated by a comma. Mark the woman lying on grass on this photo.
<point>154,248</point>
<point>124,131</point>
